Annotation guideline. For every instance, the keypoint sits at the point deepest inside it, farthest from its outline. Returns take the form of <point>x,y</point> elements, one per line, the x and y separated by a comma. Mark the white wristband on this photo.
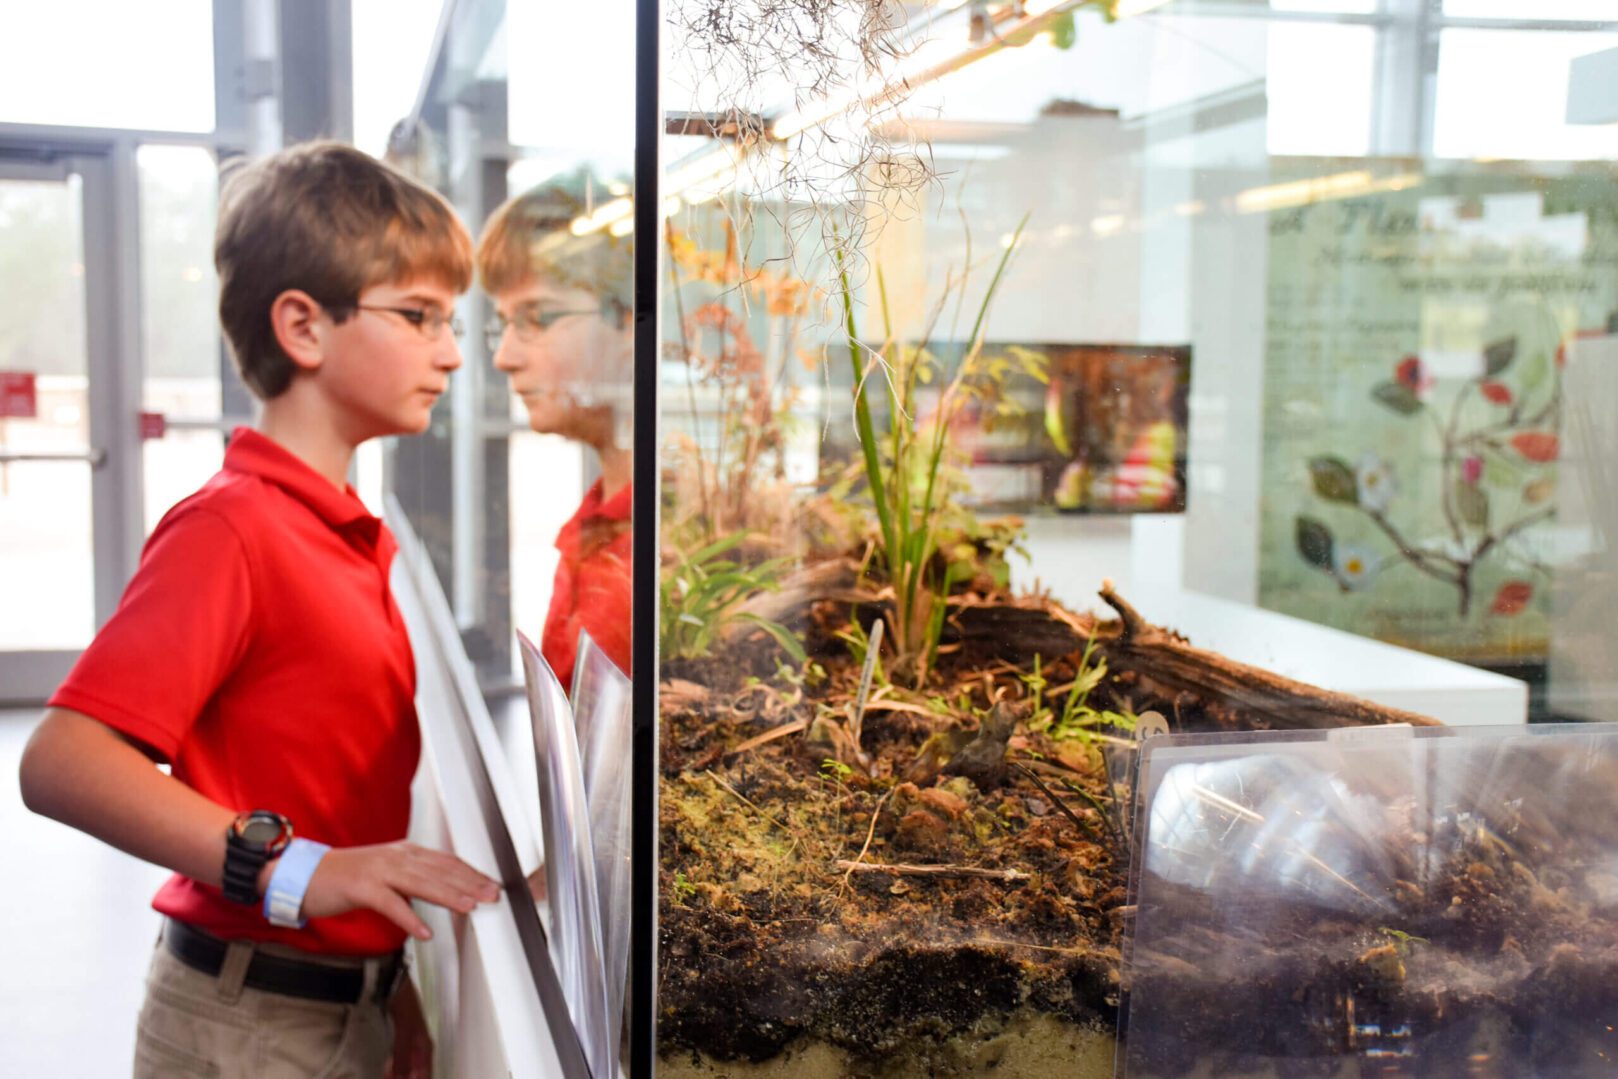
<point>283,899</point>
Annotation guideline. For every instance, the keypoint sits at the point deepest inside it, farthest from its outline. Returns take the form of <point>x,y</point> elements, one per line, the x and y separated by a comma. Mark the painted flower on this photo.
<point>1353,566</point>
<point>1374,481</point>
<point>1412,374</point>
<point>1472,470</point>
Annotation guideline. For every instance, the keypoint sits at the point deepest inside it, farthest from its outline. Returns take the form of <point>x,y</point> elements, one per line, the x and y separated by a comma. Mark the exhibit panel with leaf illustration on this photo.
<point>1495,457</point>
<point>1415,344</point>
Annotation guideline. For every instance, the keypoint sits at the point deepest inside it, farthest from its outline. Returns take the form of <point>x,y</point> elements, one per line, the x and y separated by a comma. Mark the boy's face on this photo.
<point>383,371</point>
<point>566,358</point>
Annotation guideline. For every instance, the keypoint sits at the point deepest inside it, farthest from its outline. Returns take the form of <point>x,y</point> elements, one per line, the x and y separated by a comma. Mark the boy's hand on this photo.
<point>386,876</point>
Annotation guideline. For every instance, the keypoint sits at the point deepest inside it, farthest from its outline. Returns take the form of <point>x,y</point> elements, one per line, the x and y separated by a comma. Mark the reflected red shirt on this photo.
<point>591,591</point>
<point>259,651</point>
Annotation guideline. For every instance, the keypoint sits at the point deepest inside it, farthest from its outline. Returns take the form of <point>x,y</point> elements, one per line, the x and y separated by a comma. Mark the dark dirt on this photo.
<point>766,940</point>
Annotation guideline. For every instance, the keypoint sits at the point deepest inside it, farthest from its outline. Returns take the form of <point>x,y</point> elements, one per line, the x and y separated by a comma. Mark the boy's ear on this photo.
<point>295,319</point>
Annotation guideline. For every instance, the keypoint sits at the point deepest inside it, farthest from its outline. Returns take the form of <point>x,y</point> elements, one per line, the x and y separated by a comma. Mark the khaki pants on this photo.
<point>196,1024</point>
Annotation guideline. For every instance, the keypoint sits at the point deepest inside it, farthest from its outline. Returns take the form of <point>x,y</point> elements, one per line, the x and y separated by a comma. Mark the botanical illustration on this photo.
<point>1413,410</point>
<point>1496,451</point>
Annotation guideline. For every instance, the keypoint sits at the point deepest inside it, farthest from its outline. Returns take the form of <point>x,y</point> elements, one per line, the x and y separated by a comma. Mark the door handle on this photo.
<point>95,456</point>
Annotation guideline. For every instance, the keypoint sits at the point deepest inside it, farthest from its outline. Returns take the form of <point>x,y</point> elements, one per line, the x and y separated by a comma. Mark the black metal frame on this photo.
<point>648,246</point>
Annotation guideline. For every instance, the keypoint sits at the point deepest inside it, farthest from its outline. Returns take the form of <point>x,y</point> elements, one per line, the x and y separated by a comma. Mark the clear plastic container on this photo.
<point>1376,902</point>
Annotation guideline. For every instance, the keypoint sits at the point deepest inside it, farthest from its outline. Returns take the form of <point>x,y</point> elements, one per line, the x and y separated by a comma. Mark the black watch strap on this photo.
<point>252,840</point>
<point>241,874</point>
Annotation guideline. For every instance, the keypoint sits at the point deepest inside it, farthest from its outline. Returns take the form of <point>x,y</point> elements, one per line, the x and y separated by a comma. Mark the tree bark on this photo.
<point>1266,700</point>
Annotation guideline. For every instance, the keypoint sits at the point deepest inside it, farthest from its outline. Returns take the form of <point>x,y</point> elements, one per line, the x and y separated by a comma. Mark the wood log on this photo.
<point>1266,700</point>
<point>1239,696</point>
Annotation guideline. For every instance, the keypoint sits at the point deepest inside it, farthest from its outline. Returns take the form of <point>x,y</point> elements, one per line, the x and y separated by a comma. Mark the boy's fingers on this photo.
<point>446,890</point>
<point>393,906</point>
<point>451,871</point>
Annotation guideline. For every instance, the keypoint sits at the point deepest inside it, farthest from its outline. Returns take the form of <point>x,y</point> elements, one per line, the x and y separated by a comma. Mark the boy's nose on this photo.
<point>448,357</point>
<point>505,357</point>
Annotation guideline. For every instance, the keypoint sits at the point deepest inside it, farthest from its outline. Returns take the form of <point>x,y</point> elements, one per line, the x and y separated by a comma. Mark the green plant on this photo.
<point>1403,943</point>
<point>1078,720</point>
<point>1036,683</point>
<point>835,770</point>
<point>682,888</point>
<point>924,536</point>
<point>702,591</point>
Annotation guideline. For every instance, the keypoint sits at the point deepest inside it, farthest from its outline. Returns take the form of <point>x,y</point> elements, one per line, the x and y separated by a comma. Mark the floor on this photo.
<point>77,934</point>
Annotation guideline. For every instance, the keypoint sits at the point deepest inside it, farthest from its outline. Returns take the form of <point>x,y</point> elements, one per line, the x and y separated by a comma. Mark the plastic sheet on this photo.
<point>570,875</point>
<point>1376,902</point>
<point>601,703</point>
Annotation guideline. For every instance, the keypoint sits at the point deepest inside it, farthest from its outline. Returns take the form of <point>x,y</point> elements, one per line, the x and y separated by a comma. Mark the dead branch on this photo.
<point>1133,624</point>
<point>1267,700</point>
<point>1078,822</point>
<point>859,859</point>
<point>770,735</point>
<point>743,799</point>
<point>900,869</point>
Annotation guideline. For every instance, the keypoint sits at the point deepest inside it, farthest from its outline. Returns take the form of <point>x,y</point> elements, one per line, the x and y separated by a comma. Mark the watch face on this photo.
<point>260,831</point>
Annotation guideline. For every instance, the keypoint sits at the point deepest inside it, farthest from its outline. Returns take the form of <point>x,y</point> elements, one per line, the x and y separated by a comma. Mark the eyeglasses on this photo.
<point>429,320</point>
<point>529,323</point>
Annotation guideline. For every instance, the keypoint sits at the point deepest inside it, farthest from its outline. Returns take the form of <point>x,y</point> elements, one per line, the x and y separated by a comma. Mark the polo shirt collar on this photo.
<point>255,454</point>
<point>616,508</point>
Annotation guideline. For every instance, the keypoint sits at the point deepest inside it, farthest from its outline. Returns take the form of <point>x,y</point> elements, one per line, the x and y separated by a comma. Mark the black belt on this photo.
<point>278,974</point>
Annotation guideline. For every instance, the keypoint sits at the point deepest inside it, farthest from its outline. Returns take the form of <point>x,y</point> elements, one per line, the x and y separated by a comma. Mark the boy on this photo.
<point>258,652</point>
<point>562,333</point>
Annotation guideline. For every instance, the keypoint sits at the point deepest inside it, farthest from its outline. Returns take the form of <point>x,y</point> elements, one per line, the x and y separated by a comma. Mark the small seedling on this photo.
<point>835,770</point>
<point>1403,942</point>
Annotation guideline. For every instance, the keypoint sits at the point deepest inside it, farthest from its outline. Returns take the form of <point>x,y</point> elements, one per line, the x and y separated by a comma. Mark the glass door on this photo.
<point>66,548</point>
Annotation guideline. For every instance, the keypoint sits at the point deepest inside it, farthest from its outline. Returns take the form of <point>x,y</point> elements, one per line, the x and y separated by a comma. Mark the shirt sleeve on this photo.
<point>182,626</point>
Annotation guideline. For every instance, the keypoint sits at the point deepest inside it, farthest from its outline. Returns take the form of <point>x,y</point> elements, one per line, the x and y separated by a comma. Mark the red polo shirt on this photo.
<point>259,651</point>
<point>591,590</point>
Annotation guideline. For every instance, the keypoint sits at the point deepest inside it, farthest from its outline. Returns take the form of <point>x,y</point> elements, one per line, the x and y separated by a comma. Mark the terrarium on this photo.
<point>963,307</point>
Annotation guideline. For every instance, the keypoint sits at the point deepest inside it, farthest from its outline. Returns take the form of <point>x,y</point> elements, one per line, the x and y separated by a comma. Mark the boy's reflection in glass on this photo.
<point>563,335</point>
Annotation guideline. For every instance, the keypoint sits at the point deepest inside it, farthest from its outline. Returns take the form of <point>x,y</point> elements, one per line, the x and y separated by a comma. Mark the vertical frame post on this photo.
<point>644,652</point>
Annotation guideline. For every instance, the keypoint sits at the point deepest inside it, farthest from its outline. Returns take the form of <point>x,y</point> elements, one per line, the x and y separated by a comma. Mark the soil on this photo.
<point>986,898</point>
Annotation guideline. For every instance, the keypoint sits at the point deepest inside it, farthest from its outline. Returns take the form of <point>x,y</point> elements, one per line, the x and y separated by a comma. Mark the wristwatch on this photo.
<point>252,840</point>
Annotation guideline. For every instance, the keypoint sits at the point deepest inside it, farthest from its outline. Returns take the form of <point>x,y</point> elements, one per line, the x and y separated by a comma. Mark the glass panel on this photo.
<point>116,65</point>
<point>897,727</point>
<point>45,543</point>
<point>521,488</point>
<point>536,521</point>
<point>179,187</point>
<point>1418,903</point>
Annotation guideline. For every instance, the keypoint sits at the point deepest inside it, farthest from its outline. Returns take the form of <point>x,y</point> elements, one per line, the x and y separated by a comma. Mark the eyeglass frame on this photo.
<point>428,321</point>
<point>530,324</point>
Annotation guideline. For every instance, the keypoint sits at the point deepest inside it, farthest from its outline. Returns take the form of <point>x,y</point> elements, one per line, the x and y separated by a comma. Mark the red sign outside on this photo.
<point>19,398</point>
<point>153,425</point>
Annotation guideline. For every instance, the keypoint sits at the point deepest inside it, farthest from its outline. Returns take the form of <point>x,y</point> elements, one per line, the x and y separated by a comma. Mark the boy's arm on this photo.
<point>81,772</point>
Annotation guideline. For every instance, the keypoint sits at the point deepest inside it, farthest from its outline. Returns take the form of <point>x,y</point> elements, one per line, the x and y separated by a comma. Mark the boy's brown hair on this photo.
<point>330,220</point>
<point>530,236</point>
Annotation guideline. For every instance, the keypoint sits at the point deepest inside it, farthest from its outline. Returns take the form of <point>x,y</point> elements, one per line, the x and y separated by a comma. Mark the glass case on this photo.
<point>1034,377</point>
